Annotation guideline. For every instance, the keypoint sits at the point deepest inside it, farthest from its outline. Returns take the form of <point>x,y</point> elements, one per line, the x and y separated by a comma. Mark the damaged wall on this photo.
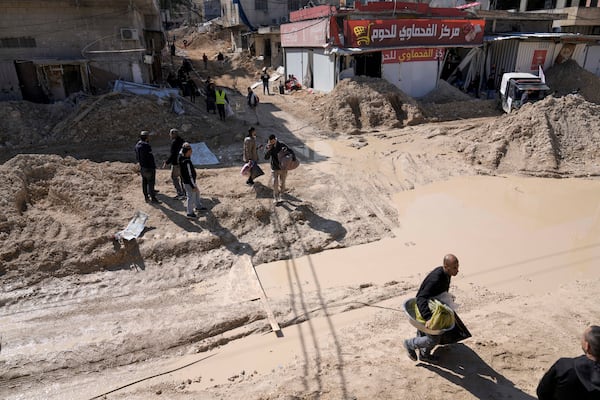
<point>108,35</point>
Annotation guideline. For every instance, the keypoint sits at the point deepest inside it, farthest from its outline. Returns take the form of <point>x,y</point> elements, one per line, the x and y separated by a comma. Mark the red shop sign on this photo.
<point>411,55</point>
<point>413,32</point>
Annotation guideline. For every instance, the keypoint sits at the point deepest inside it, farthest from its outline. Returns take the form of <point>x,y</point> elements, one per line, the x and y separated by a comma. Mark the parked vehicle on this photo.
<point>517,88</point>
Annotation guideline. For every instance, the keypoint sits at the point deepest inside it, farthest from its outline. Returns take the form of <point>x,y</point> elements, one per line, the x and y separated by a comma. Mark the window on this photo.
<point>261,5</point>
<point>295,5</point>
<point>18,42</point>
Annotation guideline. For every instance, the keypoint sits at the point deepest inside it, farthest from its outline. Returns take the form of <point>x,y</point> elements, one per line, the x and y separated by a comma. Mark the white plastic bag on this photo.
<point>228,110</point>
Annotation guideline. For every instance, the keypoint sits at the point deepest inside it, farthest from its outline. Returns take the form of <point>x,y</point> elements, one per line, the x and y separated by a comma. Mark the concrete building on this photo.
<point>413,45</point>
<point>50,49</point>
<point>255,24</point>
<point>404,43</point>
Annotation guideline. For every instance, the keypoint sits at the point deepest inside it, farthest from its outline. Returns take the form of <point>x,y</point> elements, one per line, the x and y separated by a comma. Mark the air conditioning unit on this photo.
<point>283,20</point>
<point>129,34</point>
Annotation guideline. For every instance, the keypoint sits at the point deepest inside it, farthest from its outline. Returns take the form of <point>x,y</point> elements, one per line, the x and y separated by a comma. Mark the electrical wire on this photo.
<point>151,377</point>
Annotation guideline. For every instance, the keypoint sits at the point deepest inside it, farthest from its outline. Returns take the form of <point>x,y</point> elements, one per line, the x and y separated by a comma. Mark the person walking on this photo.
<point>250,152</point>
<point>436,283</point>
<point>575,378</point>
<point>278,175</point>
<point>205,59</point>
<point>221,99</point>
<point>176,143</point>
<point>145,158</point>
<point>188,176</point>
<point>264,77</point>
<point>211,97</point>
<point>252,100</point>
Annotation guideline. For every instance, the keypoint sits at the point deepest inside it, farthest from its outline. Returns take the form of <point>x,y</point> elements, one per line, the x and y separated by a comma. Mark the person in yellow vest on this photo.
<point>220,101</point>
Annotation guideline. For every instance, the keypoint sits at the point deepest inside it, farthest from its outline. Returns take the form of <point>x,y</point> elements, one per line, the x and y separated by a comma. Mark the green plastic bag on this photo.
<point>442,318</point>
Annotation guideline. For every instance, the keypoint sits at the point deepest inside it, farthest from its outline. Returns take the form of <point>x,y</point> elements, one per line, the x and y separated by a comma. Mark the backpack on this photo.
<point>287,160</point>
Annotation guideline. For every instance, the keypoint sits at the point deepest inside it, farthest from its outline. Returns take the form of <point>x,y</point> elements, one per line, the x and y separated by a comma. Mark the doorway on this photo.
<point>31,90</point>
<point>368,64</point>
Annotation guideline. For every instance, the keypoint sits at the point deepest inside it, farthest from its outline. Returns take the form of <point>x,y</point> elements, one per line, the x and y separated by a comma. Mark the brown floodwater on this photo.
<point>511,234</point>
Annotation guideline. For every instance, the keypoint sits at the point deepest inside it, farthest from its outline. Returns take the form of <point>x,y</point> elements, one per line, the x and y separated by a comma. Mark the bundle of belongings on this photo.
<point>251,169</point>
<point>442,315</point>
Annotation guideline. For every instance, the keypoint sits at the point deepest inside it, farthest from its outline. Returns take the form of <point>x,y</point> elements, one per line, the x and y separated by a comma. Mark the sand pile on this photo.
<point>114,119</point>
<point>363,104</point>
<point>568,77</point>
<point>23,123</point>
<point>552,137</point>
<point>447,102</point>
<point>445,93</point>
<point>58,216</point>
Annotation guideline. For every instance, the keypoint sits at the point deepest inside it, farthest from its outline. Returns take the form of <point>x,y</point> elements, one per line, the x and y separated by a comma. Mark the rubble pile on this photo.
<point>24,123</point>
<point>46,220</point>
<point>552,137</point>
<point>363,104</point>
<point>569,77</point>
<point>111,118</point>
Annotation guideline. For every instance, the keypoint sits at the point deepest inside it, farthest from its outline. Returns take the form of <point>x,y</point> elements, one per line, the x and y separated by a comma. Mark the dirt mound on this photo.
<point>214,38</point>
<point>24,123</point>
<point>114,119</point>
<point>447,102</point>
<point>445,93</point>
<point>471,108</point>
<point>363,103</point>
<point>569,77</point>
<point>57,216</point>
<point>553,137</point>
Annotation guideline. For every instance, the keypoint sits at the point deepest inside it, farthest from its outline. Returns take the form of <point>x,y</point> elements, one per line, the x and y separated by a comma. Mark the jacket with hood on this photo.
<point>175,149</point>
<point>188,172</point>
<point>571,378</point>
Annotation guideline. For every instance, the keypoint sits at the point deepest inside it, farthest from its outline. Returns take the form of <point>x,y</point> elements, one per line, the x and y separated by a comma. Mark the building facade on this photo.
<point>404,43</point>
<point>52,49</point>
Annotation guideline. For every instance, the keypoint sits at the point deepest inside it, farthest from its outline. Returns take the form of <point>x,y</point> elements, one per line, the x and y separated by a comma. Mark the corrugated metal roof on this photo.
<point>562,36</point>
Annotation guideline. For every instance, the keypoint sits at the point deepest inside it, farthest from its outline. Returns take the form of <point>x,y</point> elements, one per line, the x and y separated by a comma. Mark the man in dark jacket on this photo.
<point>575,378</point>
<point>176,143</point>
<point>278,175</point>
<point>435,283</point>
<point>264,77</point>
<point>252,100</point>
<point>188,176</point>
<point>144,156</point>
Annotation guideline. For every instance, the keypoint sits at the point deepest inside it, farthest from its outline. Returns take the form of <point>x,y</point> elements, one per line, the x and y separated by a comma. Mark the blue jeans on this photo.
<point>423,341</point>
<point>193,198</point>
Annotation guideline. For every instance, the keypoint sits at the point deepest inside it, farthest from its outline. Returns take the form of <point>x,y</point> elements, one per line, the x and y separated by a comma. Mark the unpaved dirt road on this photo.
<point>177,313</point>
